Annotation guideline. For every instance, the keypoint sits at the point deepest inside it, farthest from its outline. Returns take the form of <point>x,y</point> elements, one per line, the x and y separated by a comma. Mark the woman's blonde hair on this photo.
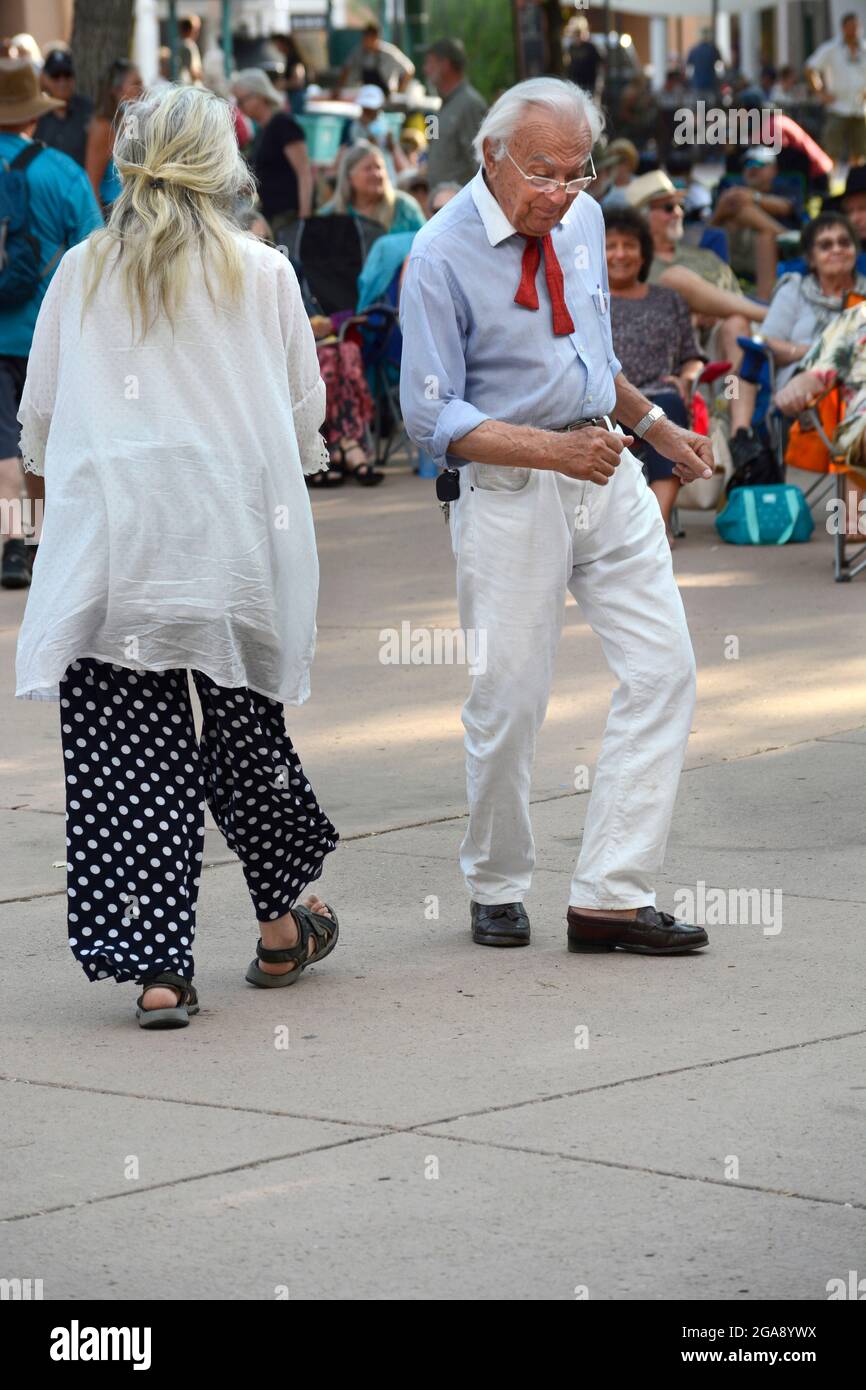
<point>384,210</point>
<point>177,155</point>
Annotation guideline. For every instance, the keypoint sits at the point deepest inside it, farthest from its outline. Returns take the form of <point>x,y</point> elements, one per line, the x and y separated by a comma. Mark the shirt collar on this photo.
<point>496,224</point>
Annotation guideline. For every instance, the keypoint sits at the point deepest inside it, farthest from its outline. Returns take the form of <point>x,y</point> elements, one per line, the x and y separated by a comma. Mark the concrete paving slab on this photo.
<point>789,1121</point>
<point>409,1024</point>
<point>768,821</point>
<point>408,1021</point>
<point>74,1146</point>
<point>363,1222</point>
<point>389,561</point>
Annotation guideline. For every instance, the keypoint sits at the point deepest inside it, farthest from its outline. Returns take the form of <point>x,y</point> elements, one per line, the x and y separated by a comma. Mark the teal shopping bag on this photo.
<point>772,514</point>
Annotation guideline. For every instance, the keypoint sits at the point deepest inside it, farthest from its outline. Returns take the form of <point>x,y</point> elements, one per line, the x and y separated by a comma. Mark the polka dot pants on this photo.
<point>136,784</point>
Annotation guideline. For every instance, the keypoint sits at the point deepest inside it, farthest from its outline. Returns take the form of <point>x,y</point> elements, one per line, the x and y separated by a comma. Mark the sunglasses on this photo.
<point>665,207</point>
<point>842,244</point>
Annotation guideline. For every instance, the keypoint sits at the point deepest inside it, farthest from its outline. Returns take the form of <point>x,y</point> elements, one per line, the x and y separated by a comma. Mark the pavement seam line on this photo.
<point>181,1100</point>
<point>190,1177</point>
<point>639,1168</point>
<point>424,1125</point>
<point>648,1076</point>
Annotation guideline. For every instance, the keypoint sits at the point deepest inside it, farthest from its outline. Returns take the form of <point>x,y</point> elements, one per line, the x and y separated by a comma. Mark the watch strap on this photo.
<point>647,421</point>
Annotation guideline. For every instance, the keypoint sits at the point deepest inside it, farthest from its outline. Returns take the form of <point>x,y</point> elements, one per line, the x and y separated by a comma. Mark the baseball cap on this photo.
<point>58,63</point>
<point>371,97</point>
<point>759,155</point>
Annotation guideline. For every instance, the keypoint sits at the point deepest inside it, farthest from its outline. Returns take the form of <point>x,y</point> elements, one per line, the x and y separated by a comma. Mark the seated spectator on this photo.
<point>413,143</point>
<point>788,89</point>
<point>705,282</point>
<point>278,152</point>
<point>121,84</point>
<point>416,183</point>
<point>698,196</point>
<point>754,213</point>
<point>839,356</point>
<point>802,307</point>
<point>442,194</point>
<point>372,128</point>
<point>349,406</point>
<point>853,204</point>
<point>616,167</point>
<point>656,197</point>
<point>364,189</point>
<point>653,339</point>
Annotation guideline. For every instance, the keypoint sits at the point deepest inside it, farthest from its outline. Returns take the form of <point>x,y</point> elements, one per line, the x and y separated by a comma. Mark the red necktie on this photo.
<point>527,294</point>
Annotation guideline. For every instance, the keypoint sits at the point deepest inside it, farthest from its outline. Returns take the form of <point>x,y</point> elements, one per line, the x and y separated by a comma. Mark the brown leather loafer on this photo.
<point>651,933</point>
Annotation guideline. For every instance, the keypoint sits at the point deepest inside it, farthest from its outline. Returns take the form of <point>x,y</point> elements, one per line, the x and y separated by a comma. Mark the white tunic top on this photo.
<point>177,528</point>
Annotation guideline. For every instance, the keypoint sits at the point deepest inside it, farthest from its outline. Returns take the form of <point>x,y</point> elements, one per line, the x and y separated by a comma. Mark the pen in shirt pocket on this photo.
<point>602,299</point>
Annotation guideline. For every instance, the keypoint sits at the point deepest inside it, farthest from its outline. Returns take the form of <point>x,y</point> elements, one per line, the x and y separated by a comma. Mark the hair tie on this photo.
<point>157,183</point>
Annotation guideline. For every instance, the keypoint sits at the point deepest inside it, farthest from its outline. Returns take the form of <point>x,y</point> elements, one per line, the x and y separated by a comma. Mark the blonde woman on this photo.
<point>364,189</point>
<point>173,403</point>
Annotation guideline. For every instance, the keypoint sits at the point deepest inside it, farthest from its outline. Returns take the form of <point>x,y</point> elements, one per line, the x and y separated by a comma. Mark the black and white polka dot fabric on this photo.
<point>136,783</point>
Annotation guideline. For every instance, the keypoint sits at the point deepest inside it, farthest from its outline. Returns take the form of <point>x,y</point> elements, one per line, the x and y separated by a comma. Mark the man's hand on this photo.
<point>591,454</point>
<point>802,390</point>
<point>680,385</point>
<point>690,453</point>
<point>732,201</point>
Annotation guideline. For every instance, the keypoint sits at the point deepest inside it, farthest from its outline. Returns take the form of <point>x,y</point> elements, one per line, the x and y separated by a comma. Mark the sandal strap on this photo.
<point>309,924</point>
<point>167,979</point>
<point>278,956</point>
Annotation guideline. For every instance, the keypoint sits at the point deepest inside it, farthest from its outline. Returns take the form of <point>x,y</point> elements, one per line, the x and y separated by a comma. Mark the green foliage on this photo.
<point>486,29</point>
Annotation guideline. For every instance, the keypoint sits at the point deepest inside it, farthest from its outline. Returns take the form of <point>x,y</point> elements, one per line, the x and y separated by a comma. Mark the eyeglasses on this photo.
<point>545,185</point>
<point>665,207</point>
<point>842,244</point>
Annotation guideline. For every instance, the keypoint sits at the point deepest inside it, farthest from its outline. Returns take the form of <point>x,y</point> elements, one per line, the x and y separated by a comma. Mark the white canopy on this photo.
<point>673,9</point>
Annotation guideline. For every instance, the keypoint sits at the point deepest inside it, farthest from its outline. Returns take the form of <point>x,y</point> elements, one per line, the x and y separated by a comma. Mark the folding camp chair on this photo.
<point>848,561</point>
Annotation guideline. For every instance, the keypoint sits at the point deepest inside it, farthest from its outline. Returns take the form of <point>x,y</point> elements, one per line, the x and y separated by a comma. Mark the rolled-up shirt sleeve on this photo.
<point>434,325</point>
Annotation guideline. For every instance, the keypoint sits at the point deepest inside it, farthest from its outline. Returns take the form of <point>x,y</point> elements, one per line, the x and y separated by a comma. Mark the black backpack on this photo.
<point>20,253</point>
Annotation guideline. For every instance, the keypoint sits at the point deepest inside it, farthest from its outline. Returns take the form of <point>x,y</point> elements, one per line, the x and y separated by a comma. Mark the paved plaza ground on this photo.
<point>446,1121</point>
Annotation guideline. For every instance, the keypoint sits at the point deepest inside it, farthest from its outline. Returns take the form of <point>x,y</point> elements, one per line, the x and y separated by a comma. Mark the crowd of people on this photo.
<point>179,531</point>
<point>696,235</point>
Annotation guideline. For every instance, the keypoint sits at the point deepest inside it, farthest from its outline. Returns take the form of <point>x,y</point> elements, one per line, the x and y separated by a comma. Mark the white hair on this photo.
<point>553,94</point>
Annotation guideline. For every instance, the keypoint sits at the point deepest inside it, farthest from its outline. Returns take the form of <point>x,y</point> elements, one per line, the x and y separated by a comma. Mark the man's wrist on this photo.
<point>659,427</point>
<point>652,416</point>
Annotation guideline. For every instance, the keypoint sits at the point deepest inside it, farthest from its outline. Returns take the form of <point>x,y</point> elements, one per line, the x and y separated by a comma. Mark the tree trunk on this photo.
<point>101,33</point>
<point>554,36</point>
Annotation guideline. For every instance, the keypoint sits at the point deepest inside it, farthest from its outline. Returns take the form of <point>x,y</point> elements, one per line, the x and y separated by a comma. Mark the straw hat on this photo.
<point>20,97</point>
<point>648,187</point>
<point>617,151</point>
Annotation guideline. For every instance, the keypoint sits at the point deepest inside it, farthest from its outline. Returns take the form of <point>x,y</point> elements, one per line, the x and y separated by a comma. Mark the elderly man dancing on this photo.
<point>510,377</point>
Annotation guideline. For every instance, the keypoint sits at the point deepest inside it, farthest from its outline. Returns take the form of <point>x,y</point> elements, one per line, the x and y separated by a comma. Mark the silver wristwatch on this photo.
<point>647,421</point>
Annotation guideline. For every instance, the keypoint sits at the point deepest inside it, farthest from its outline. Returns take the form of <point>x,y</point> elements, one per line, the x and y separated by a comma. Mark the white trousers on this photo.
<point>522,537</point>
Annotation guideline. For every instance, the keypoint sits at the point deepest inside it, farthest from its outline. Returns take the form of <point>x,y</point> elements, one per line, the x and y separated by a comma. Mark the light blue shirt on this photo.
<point>471,354</point>
<point>63,211</point>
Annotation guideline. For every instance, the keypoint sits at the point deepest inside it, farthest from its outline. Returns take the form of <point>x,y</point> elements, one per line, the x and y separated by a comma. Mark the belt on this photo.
<point>597,420</point>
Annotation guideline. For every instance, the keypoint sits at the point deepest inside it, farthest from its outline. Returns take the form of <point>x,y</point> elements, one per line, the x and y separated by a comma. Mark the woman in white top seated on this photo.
<point>173,403</point>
